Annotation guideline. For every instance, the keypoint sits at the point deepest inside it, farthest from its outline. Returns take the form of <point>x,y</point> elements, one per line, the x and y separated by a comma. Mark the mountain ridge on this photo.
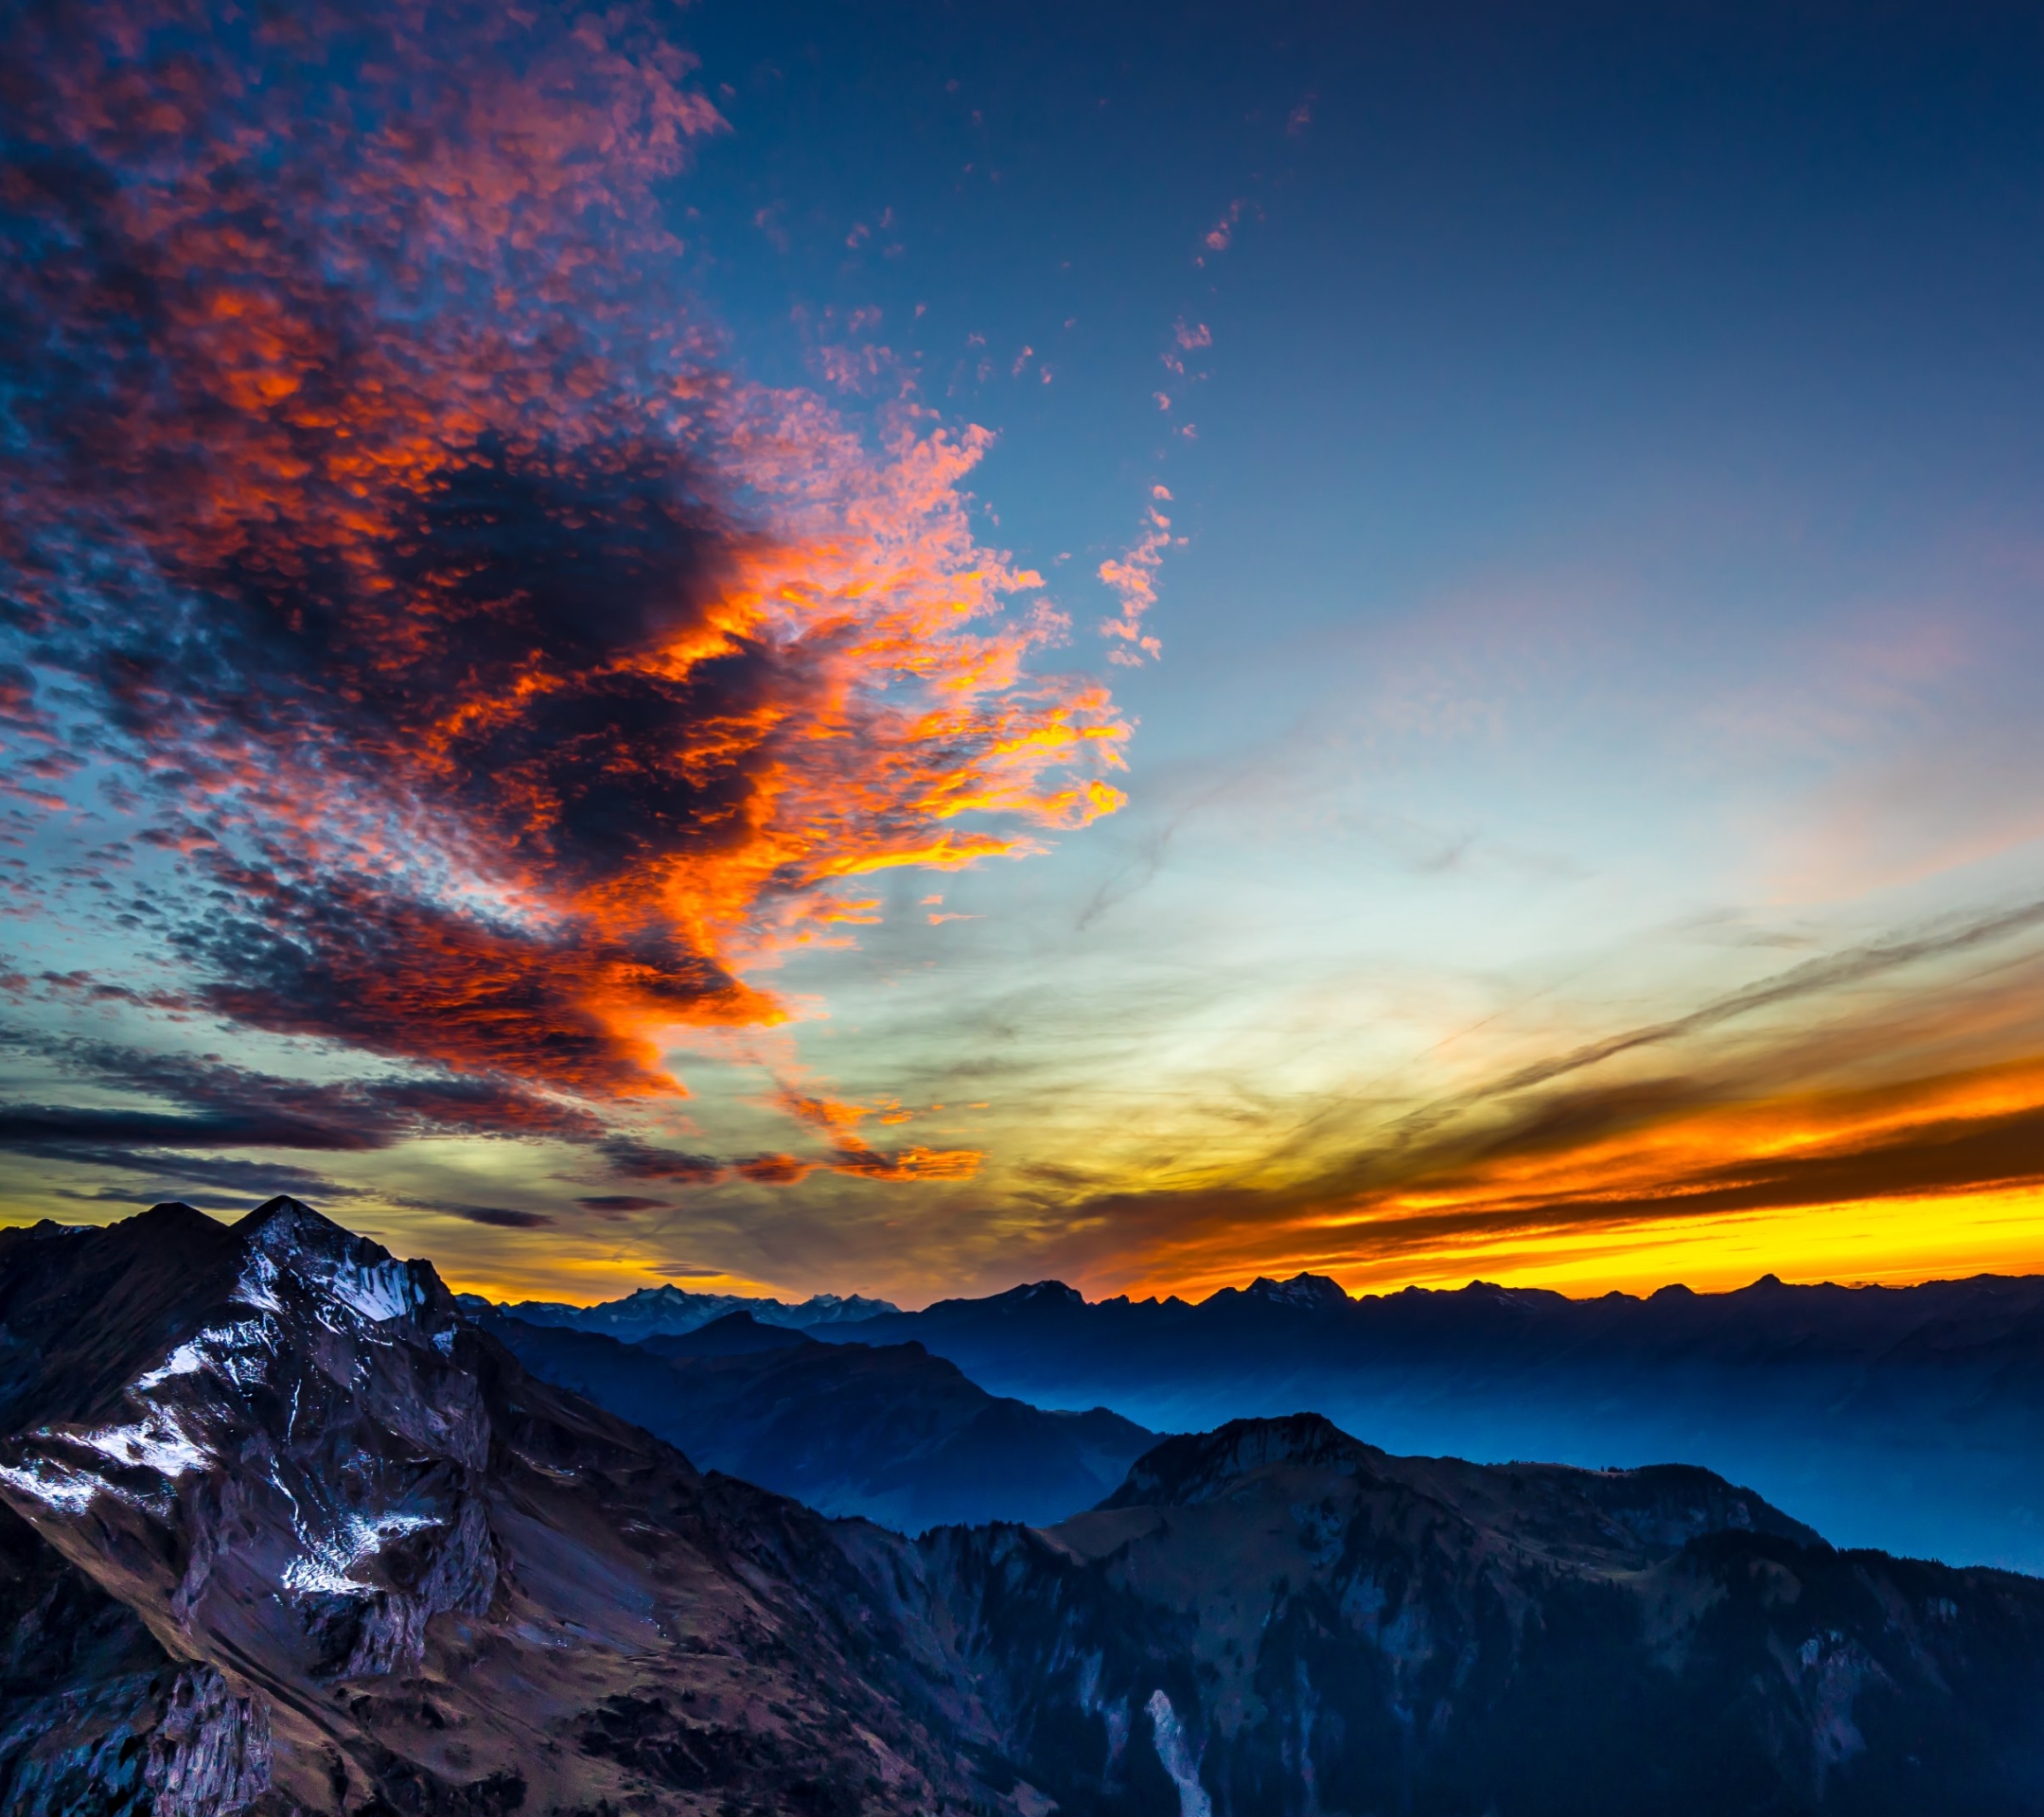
<point>321,1486</point>
<point>668,1311</point>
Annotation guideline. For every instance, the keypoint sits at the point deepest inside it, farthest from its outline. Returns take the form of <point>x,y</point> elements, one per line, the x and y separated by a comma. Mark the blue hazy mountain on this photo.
<point>890,1432</point>
<point>1911,1418</point>
<point>669,1311</point>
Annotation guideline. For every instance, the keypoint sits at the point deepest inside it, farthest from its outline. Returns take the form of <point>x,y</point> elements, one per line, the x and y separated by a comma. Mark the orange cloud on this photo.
<point>521,683</point>
<point>838,1122</point>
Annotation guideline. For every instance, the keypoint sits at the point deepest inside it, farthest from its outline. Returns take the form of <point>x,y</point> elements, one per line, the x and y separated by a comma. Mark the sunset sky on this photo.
<point>905,648</point>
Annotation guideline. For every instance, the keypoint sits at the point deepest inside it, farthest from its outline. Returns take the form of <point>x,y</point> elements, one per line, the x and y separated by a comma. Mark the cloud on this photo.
<point>496,1217</point>
<point>850,1155</point>
<point>1133,577</point>
<point>618,1202</point>
<point>641,1161</point>
<point>203,1103</point>
<point>773,1170</point>
<point>1831,972</point>
<point>1223,231</point>
<point>44,1128</point>
<point>1836,1095</point>
<point>514,684</point>
<point>249,1181</point>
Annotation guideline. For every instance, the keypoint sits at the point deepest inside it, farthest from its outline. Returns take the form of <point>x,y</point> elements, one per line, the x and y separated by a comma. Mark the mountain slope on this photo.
<point>1275,1618</point>
<point>891,1432</point>
<point>1907,1417</point>
<point>399,1569</point>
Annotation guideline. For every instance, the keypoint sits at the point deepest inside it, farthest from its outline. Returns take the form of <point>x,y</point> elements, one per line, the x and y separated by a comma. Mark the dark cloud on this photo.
<point>251,1181</point>
<point>47,1128</point>
<point>497,1217</point>
<point>640,1160</point>
<point>618,1202</point>
<point>412,981</point>
<point>221,1104</point>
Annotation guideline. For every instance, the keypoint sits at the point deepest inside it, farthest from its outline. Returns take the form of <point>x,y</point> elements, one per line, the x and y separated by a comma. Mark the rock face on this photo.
<point>322,1543</point>
<point>96,1718</point>
<point>281,1533</point>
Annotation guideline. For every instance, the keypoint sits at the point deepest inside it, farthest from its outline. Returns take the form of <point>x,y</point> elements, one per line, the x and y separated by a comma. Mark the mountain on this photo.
<point>734,1334</point>
<point>890,1432</point>
<point>668,1312</point>
<point>286,1533</point>
<point>282,1533</point>
<point>1912,1418</point>
<point>1275,1618</point>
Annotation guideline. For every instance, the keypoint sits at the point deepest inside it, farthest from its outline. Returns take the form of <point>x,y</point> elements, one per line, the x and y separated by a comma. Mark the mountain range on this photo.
<point>891,1432</point>
<point>668,1311</point>
<point>1910,1418</point>
<point>285,1531</point>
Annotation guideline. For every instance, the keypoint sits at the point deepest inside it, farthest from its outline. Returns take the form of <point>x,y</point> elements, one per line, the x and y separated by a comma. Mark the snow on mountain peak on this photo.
<point>364,1278</point>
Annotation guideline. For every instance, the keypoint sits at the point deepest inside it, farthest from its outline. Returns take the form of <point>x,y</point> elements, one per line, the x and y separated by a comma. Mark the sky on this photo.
<point>903,649</point>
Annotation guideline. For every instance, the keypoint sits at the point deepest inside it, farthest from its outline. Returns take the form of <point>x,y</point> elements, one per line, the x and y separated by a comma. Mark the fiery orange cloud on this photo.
<point>522,684</point>
<point>838,1124</point>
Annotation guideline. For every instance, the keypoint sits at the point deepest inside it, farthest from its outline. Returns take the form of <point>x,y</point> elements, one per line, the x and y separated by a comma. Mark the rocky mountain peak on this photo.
<point>369,1560</point>
<point>293,1416</point>
<point>1044,1293</point>
<point>288,1236</point>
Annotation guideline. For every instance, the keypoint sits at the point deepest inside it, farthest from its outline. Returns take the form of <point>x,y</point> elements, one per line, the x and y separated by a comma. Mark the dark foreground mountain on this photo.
<point>1273,1617</point>
<point>1912,1418</point>
<point>304,1539</point>
<point>670,1312</point>
<point>288,1535</point>
<point>890,1432</point>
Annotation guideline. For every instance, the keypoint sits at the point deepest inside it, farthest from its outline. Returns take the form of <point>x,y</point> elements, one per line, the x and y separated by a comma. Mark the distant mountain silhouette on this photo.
<point>893,1434</point>
<point>734,1334</point>
<point>669,1311</point>
<point>1907,1417</point>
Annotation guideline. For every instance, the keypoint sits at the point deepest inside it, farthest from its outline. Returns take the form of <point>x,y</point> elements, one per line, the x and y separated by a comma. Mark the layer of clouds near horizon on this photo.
<point>471,672</point>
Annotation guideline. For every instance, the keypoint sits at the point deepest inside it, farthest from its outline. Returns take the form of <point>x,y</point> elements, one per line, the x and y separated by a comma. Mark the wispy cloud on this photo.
<point>1132,576</point>
<point>1698,1122</point>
